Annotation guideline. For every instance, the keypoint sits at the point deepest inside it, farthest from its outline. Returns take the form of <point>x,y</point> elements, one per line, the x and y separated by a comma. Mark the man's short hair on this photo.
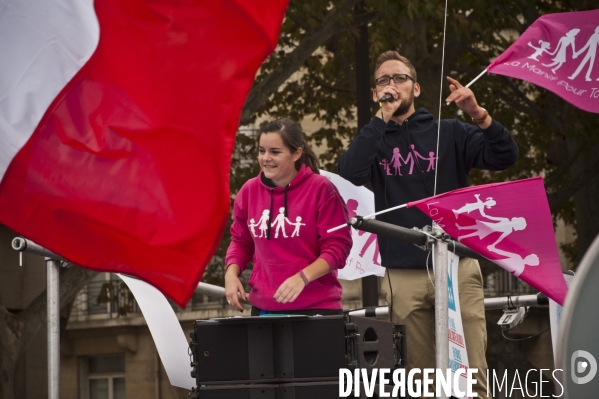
<point>394,55</point>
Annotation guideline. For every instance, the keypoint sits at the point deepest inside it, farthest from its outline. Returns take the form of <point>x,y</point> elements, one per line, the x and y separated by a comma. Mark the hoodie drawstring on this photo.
<point>269,215</point>
<point>286,188</point>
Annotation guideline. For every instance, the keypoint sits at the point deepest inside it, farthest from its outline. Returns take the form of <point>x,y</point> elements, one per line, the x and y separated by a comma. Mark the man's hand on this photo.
<point>465,100</point>
<point>290,289</point>
<point>234,288</point>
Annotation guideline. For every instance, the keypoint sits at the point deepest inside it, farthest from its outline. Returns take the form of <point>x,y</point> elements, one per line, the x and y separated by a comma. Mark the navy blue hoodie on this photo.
<point>399,163</point>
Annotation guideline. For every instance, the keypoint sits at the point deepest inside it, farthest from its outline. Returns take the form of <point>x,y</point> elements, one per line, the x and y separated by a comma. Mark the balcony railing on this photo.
<point>104,299</point>
<point>502,283</point>
<point>112,299</point>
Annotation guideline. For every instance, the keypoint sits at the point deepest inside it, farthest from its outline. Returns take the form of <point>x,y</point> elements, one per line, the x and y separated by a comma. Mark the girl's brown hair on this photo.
<point>293,138</point>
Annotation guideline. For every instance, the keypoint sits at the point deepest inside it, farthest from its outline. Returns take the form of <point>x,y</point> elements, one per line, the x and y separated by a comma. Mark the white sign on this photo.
<point>364,258</point>
<point>458,356</point>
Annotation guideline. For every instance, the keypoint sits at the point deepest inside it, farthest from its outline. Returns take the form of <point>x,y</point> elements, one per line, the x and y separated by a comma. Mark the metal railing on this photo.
<point>503,283</point>
<point>112,299</point>
<point>109,298</point>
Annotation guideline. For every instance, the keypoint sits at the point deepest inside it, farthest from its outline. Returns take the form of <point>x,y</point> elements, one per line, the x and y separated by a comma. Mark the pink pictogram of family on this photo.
<point>559,53</point>
<point>397,160</point>
<point>278,223</point>
<point>493,224</point>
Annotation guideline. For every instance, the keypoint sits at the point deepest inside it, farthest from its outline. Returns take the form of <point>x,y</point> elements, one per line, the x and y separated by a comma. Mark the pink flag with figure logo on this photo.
<point>558,52</point>
<point>507,223</point>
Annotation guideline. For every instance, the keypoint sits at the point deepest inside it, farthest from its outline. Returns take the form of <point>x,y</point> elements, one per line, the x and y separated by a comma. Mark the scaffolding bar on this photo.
<point>24,245</point>
<point>412,236</point>
<point>210,290</point>
<point>53,309</point>
<point>516,301</point>
<point>441,302</point>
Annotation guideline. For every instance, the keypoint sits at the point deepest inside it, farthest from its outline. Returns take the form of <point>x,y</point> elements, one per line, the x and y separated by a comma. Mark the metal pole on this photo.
<point>380,312</point>
<point>516,301</point>
<point>24,245</point>
<point>441,301</point>
<point>370,285</point>
<point>52,309</point>
<point>413,236</point>
<point>210,290</point>
<point>53,297</point>
<point>539,299</point>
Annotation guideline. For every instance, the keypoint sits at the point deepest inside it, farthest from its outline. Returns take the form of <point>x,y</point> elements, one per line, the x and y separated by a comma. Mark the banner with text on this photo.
<point>458,356</point>
<point>557,52</point>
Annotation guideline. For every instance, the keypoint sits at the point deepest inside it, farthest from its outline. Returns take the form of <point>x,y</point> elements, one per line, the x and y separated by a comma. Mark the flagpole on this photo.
<point>52,308</point>
<point>440,253</point>
<point>475,79</point>
<point>53,324</point>
<point>367,217</point>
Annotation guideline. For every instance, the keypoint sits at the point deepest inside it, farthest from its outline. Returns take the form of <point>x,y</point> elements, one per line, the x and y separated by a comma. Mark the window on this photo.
<point>105,377</point>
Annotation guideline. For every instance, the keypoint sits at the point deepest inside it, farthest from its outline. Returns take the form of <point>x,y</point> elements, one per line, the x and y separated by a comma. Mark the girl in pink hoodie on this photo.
<point>281,218</point>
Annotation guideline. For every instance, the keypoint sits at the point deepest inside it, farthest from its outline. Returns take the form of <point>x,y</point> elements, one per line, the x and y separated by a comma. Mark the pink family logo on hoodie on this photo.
<point>397,161</point>
<point>278,224</point>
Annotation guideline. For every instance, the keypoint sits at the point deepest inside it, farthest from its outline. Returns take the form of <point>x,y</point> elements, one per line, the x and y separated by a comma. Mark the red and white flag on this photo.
<point>558,52</point>
<point>117,124</point>
<point>507,223</point>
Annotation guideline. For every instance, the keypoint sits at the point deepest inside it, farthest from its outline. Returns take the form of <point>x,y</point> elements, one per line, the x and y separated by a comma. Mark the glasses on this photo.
<point>385,80</point>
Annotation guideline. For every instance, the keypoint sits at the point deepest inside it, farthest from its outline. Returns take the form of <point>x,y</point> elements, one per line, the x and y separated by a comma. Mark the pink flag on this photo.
<point>508,223</point>
<point>124,167</point>
<point>558,52</point>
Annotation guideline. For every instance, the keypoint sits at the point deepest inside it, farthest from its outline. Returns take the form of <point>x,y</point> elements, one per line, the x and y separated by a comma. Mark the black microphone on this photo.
<point>385,98</point>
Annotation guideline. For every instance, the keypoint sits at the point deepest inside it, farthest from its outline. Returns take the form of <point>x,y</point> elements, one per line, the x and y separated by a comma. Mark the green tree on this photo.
<point>312,74</point>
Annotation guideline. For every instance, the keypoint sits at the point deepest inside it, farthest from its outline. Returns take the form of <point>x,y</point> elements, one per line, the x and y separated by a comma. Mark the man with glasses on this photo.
<point>397,154</point>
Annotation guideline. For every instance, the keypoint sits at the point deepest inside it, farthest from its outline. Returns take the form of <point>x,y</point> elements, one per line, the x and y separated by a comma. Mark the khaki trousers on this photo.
<point>414,306</point>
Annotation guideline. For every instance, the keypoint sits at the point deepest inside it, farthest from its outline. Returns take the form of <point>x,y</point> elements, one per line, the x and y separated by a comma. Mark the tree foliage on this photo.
<point>555,139</point>
<point>304,80</point>
<point>312,75</point>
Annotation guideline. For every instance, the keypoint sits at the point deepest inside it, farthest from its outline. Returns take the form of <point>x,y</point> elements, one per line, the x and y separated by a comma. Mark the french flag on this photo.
<point>117,125</point>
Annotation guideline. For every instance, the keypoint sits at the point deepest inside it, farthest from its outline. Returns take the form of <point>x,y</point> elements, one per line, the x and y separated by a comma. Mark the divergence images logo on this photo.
<point>581,362</point>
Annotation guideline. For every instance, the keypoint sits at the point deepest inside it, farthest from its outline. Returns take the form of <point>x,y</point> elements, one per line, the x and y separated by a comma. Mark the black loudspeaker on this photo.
<point>307,390</point>
<point>375,344</point>
<point>268,349</point>
<point>289,357</point>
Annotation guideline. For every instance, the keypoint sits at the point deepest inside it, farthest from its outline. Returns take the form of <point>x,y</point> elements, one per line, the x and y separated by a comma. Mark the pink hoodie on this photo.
<point>292,242</point>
